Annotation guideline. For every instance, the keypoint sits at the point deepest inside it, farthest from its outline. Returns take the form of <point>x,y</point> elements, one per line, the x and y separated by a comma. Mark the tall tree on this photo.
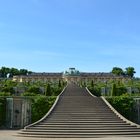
<point>59,84</point>
<point>114,90</point>
<point>130,71</point>
<point>92,83</point>
<point>117,71</point>
<point>23,72</point>
<point>4,71</point>
<point>48,90</point>
<point>14,71</point>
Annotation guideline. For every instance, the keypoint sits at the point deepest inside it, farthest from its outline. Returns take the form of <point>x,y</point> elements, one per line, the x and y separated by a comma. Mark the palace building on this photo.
<point>71,75</point>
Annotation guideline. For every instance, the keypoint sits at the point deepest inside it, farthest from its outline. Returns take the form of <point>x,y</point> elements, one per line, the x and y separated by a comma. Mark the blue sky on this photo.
<point>53,35</point>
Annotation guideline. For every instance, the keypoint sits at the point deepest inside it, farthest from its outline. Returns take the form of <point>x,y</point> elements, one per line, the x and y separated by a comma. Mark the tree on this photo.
<point>130,71</point>
<point>23,72</point>
<point>29,72</point>
<point>92,83</point>
<point>4,71</point>
<point>48,90</point>
<point>12,72</point>
<point>114,90</point>
<point>117,71</point>
<point>59,84</point>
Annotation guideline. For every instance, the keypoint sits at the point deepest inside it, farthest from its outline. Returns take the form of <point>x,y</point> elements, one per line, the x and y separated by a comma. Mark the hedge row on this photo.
<point>124,104</point>
<point>40,106</point>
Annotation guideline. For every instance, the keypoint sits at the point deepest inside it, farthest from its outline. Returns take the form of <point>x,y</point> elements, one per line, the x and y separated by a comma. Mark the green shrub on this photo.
<point>40,106</point>
<point>56,91</point>
<point>5,94</point>
<point>34,89</point>
<point>117,91</point>
<point>8,89</point>
<point>121,90</point>
<point>28,94</point>
<point>123,104</point>
<point>95,91</point>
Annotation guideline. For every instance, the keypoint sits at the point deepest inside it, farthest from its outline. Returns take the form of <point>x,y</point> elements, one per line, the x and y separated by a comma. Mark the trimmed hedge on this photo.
<point>95,91</point>
<point>40,106</point>
<point>123,104</point>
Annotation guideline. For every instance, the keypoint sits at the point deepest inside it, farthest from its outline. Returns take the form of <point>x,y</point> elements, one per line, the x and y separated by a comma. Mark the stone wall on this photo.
<point>18,112</point>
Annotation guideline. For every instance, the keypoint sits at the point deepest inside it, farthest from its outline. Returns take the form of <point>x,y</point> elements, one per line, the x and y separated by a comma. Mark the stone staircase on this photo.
<point>78,114</point>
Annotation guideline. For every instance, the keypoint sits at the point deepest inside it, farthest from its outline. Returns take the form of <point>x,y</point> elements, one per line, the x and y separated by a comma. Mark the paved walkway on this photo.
<point>11,135</point>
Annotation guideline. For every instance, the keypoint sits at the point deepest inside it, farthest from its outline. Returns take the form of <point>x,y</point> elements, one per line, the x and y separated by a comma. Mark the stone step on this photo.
<point>79,115</point>
<point>82,113</point>
<point>77,109</point>
<point>81,105</point>
<point>82,128</point>
<point>84,123</point>
<point>108,135</point>
<point>82,131</point>
<point>82,119</point>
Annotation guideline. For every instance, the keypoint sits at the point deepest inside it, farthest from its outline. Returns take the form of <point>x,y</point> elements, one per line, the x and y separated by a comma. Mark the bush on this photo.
<point>117,91</point>
<point>28,94</point>
<point>5,94</point>
<point>56,91</point>
<point>95,91</point>
<point>8,89</point>
<point>40,106</point>
<point>34,89</point>
<point>123,104</point>
<point>121,90</point>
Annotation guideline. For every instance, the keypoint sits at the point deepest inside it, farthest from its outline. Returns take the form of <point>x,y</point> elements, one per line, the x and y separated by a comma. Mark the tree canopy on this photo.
<point>117,71</point>
<point>5,72</point>
<point>129,71</point>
